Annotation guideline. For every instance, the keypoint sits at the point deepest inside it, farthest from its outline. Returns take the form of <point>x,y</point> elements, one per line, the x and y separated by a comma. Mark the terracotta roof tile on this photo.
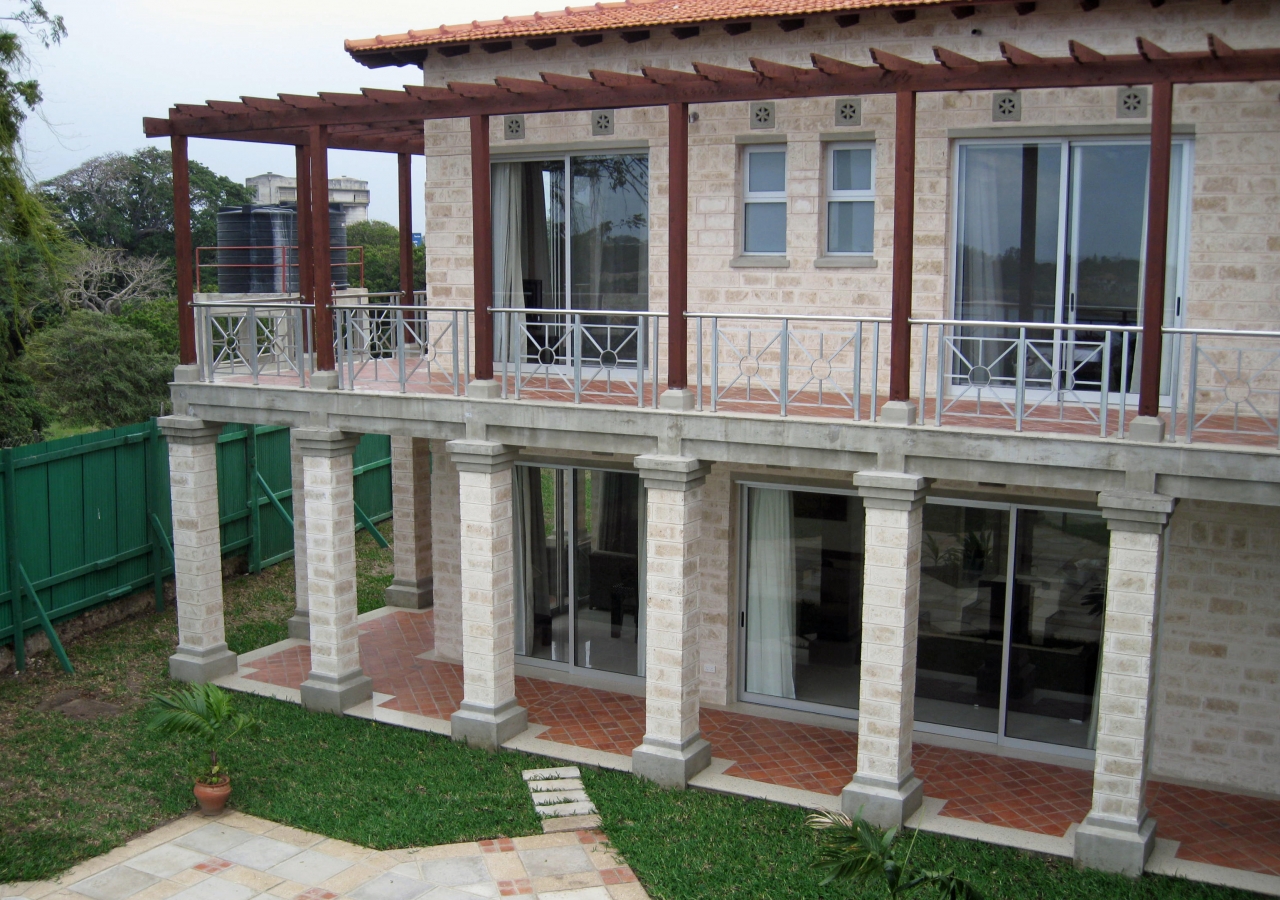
<point>623,14</point>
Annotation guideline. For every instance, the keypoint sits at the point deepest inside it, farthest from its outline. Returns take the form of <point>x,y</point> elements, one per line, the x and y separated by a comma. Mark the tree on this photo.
<point>121,202</point>
<point>381,242</point>
<point>107,281</point>
<point>95,370</point>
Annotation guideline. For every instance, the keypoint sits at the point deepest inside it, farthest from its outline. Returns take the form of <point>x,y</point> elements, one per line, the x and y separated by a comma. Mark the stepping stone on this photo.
<point>545,774</point>
<point>558,784</point>
<point>546,798</point>
<point>558,794</point>
<point>567,809</point>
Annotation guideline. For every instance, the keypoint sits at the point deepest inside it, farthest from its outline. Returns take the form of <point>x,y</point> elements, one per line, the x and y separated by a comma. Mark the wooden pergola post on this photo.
<point>482,257</point>
<point>404,165</point>
<point>322,274</point>
<point>904,208</point>
<point>302,169</point>
<point>1157,250</point>
<point>677,394</point>
<point>182,250</point>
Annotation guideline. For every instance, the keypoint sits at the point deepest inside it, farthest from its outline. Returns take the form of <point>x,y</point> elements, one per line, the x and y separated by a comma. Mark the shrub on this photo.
<point>93,369</point>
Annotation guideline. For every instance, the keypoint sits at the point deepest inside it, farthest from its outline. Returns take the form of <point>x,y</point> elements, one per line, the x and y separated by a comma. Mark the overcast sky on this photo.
<point>125,59</point>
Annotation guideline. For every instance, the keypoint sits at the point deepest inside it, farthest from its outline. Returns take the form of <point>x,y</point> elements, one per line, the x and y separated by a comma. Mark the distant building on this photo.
<point>351,194</point>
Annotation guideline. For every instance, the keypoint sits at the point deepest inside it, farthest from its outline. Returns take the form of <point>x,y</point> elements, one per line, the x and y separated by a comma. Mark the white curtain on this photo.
<point>982,288</point>
<point>508,269</point>
<point>771,594</point>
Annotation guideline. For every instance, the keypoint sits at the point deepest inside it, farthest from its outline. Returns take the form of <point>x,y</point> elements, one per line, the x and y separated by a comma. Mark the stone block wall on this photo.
<point>1217,704</point>
<point>446,554</point>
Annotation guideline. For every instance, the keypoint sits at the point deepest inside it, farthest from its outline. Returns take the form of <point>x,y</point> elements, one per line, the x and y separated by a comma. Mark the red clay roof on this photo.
<point>627,14</point>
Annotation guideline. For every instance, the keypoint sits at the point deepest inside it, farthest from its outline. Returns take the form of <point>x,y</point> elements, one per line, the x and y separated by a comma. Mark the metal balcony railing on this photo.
<point>239,340</point>
<point>416,347</point>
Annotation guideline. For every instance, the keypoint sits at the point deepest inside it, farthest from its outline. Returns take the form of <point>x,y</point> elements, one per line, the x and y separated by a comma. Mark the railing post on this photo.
<point>1192,383</point>
<point>251,323</point>
<point>1124,384</point>
<point>1020,390</point>
<point>875,370</point>
<point>455,334</point>
<point>857,373</point>
<point>924,365</point>
<point>677,393</point>
<point>783,362</point>
<point>400,346</point>
<point>1151,429</point>
<point>182,250</point>
<point>1105,383</point>
<point>699,361</point>
<point>576,325</point>
<point>1175,385</point>
<point>904,195</point>
<point>642,331</point>
<point>715,362</point>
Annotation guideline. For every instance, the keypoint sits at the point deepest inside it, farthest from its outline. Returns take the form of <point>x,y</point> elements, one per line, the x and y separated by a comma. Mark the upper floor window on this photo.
<point>851,204</point>
<point>764,201</point>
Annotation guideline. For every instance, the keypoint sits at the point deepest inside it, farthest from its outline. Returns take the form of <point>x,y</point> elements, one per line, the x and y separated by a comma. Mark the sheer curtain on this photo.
<point>982,281</point>
<point>771,594</point>
<point>508,269</point>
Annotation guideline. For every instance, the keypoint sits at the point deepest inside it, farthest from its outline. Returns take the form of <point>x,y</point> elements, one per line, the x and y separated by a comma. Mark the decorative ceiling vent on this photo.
<point>602,122</point>
<point>849,111</point>
<point>1006,107</point>
<point>1131,103</point>
<point>762,115</point>
<point>513,128</point>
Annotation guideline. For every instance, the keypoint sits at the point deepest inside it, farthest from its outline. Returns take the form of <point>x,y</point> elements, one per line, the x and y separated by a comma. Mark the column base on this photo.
<point>410,594</point>
<point>677,400</point>
<point>484,389</point>
<point>882,803</point>
<point>487,726</point>
<point>300,625</point>
<point>323,380</point>
<point>198,666</point>
<point>1111,846</point>
<point>336,693</point>
<point>898,412</point>
<point>670,764</point>
<point>1147,429</point>
<point>188,374</point>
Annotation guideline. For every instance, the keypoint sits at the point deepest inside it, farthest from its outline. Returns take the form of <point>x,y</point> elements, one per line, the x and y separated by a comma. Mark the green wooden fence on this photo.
<point>87,518</point>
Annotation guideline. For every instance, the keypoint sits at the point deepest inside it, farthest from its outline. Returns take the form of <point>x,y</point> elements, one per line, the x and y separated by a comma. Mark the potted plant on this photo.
<point>205,712</point>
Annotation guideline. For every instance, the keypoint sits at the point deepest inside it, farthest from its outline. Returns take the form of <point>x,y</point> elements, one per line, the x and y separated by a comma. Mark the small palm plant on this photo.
<point>205,712</point>
<point>855,850</point>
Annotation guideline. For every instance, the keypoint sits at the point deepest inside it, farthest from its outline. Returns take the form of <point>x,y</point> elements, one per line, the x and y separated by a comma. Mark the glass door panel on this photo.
<point>607,547</point>
<point>963,585</point>
<point>803,596</point>
<point>1059,596</point>
<point>542,563</point>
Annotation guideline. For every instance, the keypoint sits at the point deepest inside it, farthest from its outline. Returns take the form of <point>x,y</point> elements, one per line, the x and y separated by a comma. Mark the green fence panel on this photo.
<point>84,508</point>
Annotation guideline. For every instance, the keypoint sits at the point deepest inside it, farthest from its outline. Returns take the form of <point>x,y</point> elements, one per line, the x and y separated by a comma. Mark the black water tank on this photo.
<point>257,249</point>
<point>338,238</point>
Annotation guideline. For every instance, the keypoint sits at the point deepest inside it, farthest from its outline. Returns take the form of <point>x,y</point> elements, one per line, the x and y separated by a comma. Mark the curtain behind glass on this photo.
<point>508,252</point>
<point>609,232</point>
<point>771,594</point>
<point>533,589</point>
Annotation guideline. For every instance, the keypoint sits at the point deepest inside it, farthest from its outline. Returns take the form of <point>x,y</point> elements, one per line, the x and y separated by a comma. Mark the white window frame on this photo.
<point>749,197</point>
<point>835,196</point>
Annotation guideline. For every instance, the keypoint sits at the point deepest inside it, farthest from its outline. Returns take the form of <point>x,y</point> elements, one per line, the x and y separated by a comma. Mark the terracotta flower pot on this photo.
<point>213,797</point>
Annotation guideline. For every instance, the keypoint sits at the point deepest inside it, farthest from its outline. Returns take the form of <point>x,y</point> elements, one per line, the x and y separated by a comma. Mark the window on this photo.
<point>764,206</point>
<point>851,204</point>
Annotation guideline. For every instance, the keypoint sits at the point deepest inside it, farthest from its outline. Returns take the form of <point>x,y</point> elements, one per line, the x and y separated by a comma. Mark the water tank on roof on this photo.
<point>257,249</point>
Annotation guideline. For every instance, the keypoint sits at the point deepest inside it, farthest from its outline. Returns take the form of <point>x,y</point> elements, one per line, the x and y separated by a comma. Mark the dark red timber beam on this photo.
<point>482,246</point>
<point>182,247</point>
<point>302,173</point>
<point>1016,70</point>
<point>321,261</point>
<point>1153,289</point>
<point>404,169</point>
<point>904,227</point>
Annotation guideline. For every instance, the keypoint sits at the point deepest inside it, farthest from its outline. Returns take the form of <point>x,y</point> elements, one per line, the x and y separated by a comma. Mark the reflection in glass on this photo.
<point>767,171</point>
<point>764,227</point>
<point>963,576</point>
<point>850,226</point>
<point>1060,577</point>
<point>851,169</point>
<point>609,232</point>
<point>542,575</point>
<point>803,596</point>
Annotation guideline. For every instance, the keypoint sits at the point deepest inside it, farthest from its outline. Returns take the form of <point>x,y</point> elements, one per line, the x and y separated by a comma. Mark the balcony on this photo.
<point>1217,386</point>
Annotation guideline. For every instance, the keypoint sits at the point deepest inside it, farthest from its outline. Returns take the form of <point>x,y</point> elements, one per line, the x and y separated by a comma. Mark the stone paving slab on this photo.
<point>239,857</point>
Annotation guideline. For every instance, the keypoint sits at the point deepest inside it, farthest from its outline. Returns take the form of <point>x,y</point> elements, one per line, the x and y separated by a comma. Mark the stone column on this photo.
<point>446,555</point>
<point>336,681</point>
<point>300,622</point>
<point>1118,835</point>
<point>197,550</point>
<point>885,789</point>
<point>489,714</point>
<point>673,749</point>
<point>411,523</point>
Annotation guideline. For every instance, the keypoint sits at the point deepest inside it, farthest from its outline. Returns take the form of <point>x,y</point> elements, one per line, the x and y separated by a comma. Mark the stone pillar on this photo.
<point>1118,835</point>
<point>673,749</point>
<point>336,681</point>
<point>489,715</point>
<point>446,555</point>
<point>885,789</point>
<point>300,622</point>
<point>411,523</point>
<point>197,550</point>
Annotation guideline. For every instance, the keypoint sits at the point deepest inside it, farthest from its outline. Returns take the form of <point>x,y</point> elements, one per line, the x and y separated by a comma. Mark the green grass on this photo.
<point>73,789</point>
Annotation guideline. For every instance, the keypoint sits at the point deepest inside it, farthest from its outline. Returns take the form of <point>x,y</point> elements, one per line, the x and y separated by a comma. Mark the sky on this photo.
<point>125,59</point>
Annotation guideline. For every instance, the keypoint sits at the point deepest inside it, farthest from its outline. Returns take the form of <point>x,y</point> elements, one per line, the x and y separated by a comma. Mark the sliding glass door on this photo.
<point>1053,232</point>
<point>1011,608</point>
<point>801,622</point>
<point>579,568</point>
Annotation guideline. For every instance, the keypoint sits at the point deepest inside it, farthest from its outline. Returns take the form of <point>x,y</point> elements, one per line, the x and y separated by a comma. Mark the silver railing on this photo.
<point>1080,376</point>
<point>592,355</point>
<point>414,347</point>
<point>1229,385</point>
<point>236,339</point>
<point>788,363</point>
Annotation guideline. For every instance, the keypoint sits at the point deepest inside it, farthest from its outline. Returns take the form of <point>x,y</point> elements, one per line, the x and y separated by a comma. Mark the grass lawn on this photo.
<point>73,789</point>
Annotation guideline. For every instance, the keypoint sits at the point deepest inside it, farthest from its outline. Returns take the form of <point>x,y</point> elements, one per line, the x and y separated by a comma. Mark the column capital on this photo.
<point>480,456</point>
<point>671,473</point>
<point>325,442</point>
<point>1138,511</point>
<point>188,430</point>
<point>891,490</point>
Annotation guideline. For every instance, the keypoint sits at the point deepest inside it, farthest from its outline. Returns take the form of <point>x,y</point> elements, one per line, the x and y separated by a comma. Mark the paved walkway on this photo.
<point>239,857</point>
